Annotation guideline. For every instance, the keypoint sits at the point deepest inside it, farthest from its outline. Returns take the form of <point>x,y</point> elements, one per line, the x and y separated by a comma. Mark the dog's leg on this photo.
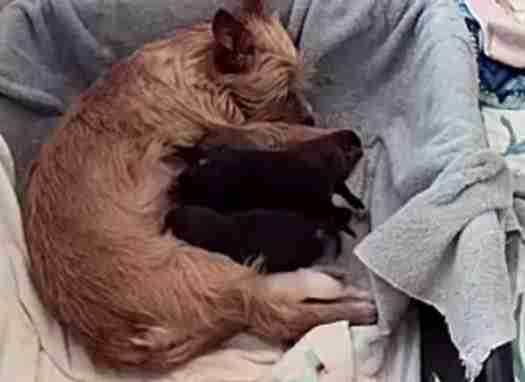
<point>236,299</point>
<point>331,301</point>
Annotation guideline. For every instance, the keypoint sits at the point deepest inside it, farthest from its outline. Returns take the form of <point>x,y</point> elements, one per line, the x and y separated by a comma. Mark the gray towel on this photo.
<point>441,204</point>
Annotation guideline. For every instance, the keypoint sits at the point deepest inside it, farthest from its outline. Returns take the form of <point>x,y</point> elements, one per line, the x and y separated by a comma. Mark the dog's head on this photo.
<point>257,61</point>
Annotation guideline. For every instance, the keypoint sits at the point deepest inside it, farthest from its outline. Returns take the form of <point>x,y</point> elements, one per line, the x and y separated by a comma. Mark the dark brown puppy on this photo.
<point>302,179</point>
<point>286,240</point>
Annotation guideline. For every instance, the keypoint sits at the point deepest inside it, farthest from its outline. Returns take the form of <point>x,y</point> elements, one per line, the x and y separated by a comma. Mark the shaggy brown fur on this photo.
<point>93,204</point>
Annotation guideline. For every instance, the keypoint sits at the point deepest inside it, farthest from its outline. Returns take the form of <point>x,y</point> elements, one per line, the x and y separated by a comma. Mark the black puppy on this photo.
<point>286,240</point>
<point>302,178</point>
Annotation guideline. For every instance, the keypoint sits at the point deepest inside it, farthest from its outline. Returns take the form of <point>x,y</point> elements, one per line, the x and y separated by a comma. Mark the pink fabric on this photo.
<point>503,29</point>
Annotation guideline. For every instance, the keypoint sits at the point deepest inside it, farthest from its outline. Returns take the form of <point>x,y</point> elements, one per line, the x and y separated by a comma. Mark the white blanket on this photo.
<point>33,347</point>
<point>441,203</point>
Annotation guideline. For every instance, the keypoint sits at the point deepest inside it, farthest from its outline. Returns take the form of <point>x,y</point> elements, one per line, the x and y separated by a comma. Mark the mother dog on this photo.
<point>95,197</point>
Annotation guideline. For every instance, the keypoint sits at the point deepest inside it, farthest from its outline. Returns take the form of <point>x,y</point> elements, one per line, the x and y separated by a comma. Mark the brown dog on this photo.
<point>94,201</point>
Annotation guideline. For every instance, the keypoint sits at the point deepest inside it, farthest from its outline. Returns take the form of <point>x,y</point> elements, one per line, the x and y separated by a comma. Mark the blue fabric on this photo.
<point>514,147</point>
<point>500,85</point>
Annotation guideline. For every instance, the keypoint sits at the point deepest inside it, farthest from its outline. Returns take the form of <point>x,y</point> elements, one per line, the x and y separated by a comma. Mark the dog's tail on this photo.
<point>135,298</point>
<point>101,266</point>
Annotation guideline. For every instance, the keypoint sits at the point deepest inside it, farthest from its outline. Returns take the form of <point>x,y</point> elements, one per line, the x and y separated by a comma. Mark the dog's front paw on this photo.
<point>343,277</point>
<point>332,271</point>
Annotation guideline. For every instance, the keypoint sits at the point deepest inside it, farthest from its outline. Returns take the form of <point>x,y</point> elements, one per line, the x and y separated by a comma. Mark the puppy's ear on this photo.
<point>235,44</point>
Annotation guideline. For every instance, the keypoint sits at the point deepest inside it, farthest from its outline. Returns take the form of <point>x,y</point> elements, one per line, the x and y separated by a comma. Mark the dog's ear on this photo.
<point>235,44</point>
<point>255,7</point>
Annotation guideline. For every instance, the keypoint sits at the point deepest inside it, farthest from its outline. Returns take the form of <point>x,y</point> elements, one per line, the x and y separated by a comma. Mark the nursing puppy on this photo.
<point>287,241</point>
<point>96,196</point>
<point>301,178</point>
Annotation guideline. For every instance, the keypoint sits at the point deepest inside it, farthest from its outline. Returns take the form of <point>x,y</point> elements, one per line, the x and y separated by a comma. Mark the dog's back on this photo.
<point>95,199</point>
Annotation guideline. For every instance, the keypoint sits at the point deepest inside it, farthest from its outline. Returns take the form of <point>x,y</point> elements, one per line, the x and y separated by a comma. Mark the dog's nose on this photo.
<point>309,121</point>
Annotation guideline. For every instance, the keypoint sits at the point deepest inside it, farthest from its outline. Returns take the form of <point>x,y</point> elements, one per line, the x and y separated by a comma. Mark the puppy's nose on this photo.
<point>309,121</point>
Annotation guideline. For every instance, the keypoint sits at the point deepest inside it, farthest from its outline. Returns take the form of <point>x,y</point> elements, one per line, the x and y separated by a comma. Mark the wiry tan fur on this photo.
<point>95,196</point>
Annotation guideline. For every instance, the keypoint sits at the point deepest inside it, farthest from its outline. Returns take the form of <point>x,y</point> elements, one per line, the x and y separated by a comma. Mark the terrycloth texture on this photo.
<point>440,203</point>
<point>40,73</point>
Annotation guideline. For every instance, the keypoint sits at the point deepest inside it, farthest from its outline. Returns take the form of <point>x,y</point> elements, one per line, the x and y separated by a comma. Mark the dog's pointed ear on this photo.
<point>255,7</point>
<point>235,43</point>
<point>231,34</point>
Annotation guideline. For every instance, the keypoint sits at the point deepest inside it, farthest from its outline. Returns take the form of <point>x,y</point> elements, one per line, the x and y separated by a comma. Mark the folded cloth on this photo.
<point>500,84</point>
<point>440,202</point>
<point>34,347</point>
<point>506,135</point>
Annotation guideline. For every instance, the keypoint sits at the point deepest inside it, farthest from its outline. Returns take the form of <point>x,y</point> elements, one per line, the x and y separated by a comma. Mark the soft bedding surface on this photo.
<point>442,205</point>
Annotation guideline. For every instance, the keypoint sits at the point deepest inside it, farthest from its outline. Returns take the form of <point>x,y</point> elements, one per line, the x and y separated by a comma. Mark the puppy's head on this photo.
<point>258,63</point>
<point>350,146</point>
<point>341,151</point>
<point>337,152</point>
